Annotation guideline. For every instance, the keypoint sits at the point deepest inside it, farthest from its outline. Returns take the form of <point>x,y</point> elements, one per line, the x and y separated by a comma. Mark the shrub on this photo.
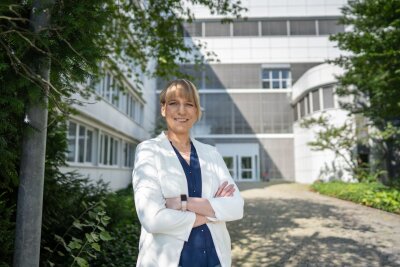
<point>375,194</point>
<point>124,227</point>
<point>7,230</point>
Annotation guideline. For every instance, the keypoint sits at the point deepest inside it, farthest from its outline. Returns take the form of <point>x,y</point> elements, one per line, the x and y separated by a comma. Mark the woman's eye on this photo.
<point>189,104</point>
<point>171,103</point>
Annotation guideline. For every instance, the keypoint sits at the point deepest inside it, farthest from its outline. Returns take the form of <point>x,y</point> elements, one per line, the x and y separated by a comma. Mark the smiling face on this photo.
<point>179,110</point>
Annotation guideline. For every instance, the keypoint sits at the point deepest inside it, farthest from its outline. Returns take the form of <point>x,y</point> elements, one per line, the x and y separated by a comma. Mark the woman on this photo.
<point>184,193</point>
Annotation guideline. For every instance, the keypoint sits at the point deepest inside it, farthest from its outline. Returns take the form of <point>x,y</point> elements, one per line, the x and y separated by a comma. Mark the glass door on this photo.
<point>231,164</point>
<point>241,160</point>
<point>246,168</point>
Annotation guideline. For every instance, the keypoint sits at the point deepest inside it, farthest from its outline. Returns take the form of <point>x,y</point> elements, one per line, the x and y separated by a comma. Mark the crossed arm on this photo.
<point>201,206</point>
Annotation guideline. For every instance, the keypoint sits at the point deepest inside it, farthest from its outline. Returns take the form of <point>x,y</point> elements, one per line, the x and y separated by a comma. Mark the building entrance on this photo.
<point>242,160</point>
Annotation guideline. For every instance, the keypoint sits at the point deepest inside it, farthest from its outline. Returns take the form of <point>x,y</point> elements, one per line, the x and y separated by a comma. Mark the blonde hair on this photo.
<point>184,87</point>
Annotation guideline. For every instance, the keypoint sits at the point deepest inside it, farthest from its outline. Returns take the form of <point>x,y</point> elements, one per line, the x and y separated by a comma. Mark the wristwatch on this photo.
<point>183,202</point>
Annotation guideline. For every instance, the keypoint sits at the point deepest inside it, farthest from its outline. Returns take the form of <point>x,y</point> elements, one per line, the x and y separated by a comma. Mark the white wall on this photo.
<point>293,49</point>
<point>282,8</point>
<point>116,177</point>
<point>311,165</point>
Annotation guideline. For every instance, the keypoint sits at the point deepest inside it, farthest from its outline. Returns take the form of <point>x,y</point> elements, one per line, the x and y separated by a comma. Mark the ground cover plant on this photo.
<point>373,194</point>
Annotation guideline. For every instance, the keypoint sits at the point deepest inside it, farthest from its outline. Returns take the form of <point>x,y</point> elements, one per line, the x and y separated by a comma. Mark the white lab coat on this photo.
<point>157,175</point>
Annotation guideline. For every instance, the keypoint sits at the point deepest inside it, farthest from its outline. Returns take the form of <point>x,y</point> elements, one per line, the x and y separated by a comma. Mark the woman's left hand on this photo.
<point>173,203</point>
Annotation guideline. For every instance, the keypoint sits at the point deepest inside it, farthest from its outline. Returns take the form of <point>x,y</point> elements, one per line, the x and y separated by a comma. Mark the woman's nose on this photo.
<point>181,108</point>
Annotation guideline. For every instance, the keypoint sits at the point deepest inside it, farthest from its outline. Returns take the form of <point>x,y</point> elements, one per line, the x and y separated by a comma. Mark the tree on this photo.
<point>52,46</point>
<point>372,67</point>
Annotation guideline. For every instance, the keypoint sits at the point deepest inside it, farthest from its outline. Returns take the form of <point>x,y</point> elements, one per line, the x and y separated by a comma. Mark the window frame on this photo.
<point>77,147</point>
<point>271,80</point>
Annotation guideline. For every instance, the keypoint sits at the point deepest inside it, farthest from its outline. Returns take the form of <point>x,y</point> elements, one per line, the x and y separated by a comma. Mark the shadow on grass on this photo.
<point>294,232</point>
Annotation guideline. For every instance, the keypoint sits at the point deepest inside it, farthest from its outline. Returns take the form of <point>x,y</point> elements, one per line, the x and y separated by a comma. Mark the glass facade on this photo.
<point>245,28</point>
<point>268,27</point>
<point>308,107</point>
<point>216,28</point>
<point>303,27</point>
<point>274,27</point>
<point>246,113</point>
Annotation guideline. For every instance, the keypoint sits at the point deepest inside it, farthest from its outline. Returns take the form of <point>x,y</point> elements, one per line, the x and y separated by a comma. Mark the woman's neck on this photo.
<point>181,141</point>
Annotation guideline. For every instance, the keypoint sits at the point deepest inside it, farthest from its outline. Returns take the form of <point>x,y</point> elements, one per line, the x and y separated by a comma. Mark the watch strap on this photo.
<point>183,202</point>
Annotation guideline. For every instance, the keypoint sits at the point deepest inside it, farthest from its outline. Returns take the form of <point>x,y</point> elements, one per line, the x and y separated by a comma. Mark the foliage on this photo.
<point>344,139</point>
<point>340,139</point>
<point>74,212</point>
<point>373,194</point>
<point>6,229</point>
<point>90,224</point>
<point>124,227</point>
<point>372,67</point>
<point>126,37</point>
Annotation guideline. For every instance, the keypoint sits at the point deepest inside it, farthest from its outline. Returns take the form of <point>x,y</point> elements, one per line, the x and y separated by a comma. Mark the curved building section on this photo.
<point>314,95</point>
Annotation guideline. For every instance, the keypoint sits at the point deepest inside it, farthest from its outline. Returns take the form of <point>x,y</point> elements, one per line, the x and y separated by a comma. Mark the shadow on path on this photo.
<point>296,232</point>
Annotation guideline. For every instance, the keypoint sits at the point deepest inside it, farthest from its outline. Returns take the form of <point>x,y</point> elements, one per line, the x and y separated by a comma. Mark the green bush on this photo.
<point>374,195</point>
<point>124,227</point>
<point>7,230</point>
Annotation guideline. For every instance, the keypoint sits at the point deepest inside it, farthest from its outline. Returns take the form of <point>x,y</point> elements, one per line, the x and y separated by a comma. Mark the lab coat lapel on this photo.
<point>173,178</point>
<point>206,176</point>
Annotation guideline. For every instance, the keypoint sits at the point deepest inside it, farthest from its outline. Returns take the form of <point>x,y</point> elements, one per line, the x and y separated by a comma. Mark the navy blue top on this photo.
<point>199,250</point>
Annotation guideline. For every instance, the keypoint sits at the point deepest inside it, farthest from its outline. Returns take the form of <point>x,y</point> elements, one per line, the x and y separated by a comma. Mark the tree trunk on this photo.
<point>30,192</point>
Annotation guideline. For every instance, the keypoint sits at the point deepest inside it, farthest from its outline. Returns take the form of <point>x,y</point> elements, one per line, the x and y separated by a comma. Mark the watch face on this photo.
<point>183,198</point>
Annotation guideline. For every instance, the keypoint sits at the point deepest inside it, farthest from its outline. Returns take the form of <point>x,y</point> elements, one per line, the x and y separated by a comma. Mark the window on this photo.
<point>245,28</point>
<point>129,154</point>
<point>276,78</point>
<point>71,141</point>
<point>80,143</point>
<point>192,29</point>
<point>306,105</point>
<point>329,26</point>
<point>277,27</point>
<point>118,96</point>
<point>108,150</point>
<point>315,98</point>
<point>217,29</point>
<point>302,108</point>
<point>302,27</point>
<point>327,94</point>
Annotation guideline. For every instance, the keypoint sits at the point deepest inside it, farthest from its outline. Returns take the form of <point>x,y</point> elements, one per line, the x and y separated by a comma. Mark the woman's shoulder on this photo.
<point>152,143</point>
<point>204,146</point>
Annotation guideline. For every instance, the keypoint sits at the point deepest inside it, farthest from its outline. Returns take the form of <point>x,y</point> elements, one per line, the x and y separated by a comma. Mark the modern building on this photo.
<point>102,137</point>
<point>272,71</point>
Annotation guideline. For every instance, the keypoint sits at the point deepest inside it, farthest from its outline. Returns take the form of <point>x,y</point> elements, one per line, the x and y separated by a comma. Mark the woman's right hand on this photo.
<point>225,190</point>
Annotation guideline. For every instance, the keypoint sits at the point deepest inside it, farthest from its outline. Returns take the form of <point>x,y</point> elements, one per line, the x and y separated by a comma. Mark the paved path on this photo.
<point>287,225</point>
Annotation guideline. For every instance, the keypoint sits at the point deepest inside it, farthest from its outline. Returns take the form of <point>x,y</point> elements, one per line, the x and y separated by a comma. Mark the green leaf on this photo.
<point>89,237</point>
<point>74,245</point>
<point>96,246</point>
<point>78,225</point>
<point>81,262</point>
<point>105,236</point>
